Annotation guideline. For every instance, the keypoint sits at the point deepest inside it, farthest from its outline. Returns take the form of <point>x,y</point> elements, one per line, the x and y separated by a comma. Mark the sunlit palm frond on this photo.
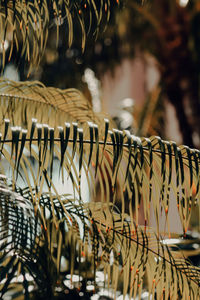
<point>27,23</point>
<point>22,101</point>
<point>135,255</point>
<point>61,165</point>
<point>138,171</point>
<point>141,259</point>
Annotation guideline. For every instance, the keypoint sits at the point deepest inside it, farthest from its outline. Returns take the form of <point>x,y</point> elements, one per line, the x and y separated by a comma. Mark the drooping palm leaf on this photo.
<point>144,170</point>
<point>137,255</point>
<point>137,252</point>
<point>27,23</point>
<point>118,169</point>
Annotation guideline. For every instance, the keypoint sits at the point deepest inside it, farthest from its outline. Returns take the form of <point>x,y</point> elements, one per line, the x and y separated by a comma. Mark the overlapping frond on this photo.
<point>139,171</point>
<point>25,24</point>
<point>20,240</point>
<point>77,157</point>
<point>96,232</point>
<point>128,171</point>
<point>141,259</point>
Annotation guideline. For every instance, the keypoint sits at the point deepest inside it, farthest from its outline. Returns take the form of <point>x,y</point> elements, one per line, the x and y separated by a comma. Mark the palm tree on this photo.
<point>72,188</point>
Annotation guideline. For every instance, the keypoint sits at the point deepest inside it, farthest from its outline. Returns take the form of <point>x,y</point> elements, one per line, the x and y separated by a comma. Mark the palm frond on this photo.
<point>55,163</point>
<point>136,170</point>
<point>21,239</point>
<point>138,256</point>
<point>137,253</point>
<point>28,23</point>
<point>22,101</point>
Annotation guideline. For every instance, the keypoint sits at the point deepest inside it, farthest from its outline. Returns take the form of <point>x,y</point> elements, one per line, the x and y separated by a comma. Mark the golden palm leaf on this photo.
<point>60,106</point>
<point>159,168</point>
<point>139,255</point>
<point>69,149</point>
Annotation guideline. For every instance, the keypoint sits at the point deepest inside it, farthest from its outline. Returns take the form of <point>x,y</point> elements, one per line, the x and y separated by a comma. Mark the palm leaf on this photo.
<point>21,239</point>
<point>140,252</point>
<point>28,23</point>
<point>119,170</point>
<point>137,254</point>
<point>60,105</point>
<point>140,161</point>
